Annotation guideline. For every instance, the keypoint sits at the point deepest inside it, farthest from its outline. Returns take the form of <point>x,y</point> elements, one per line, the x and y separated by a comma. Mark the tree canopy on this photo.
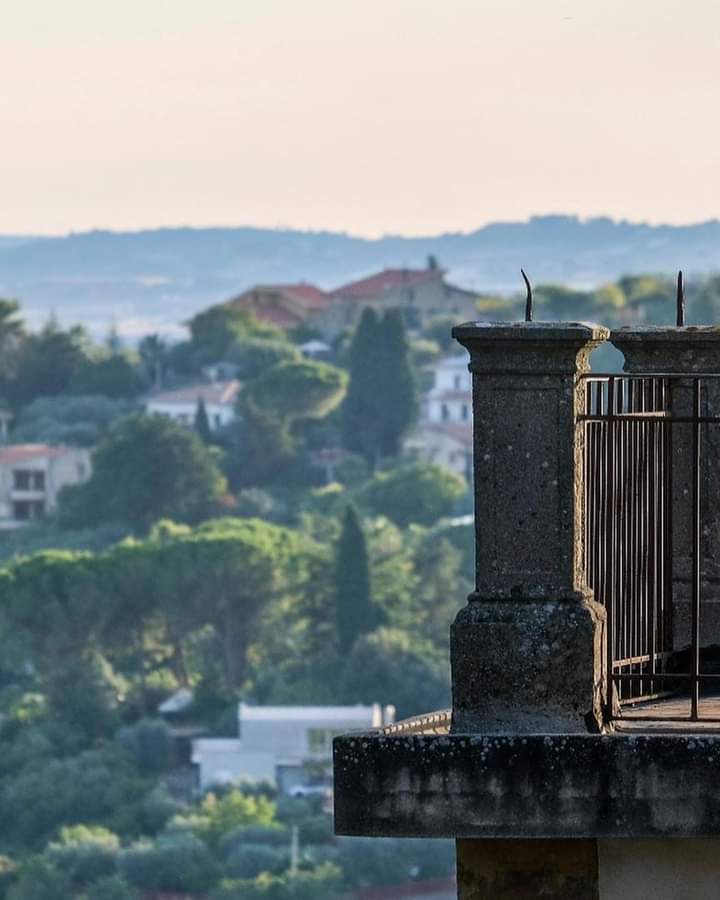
<point>146,468</point>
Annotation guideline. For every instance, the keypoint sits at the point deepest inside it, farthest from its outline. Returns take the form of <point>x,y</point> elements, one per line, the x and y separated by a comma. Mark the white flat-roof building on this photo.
<point>181,405</point>
<point>286,745</point>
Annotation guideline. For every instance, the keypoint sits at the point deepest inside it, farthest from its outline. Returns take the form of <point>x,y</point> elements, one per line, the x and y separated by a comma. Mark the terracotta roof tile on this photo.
<point>13,454</point>
<point>385,281</point>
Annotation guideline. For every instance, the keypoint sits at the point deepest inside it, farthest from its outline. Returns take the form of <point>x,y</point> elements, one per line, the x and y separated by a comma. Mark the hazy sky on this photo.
<point>369,116</point>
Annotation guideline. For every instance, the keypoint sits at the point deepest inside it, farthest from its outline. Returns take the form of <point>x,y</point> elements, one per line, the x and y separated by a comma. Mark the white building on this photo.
<point>31,477</point>
<point>286,745</point>
<point>444,433</point>
<point>181,405</point>
<point>450,398</point>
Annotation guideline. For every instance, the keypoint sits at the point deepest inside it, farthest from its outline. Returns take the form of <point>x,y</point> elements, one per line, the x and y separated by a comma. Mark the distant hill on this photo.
<point>153,280</point>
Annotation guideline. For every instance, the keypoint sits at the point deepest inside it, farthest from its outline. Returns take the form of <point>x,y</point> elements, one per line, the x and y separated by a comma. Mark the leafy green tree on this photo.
<point>179,862</point>
<point>94,786</point>
<point>292,391</point>
<point>219,816</point>
<point>111,888</point>
<point>254,355</point>
<point>39,879</point>
<point>79,421</point>
<point>353,602</point>
<point>650,298</point>
<point>271,405</point>
<point>153,352</point>
<point>559,303</point>
<point>12,331</point>
<point>202,423</point>
<point>417,493</point>
<point>150,743</point>
<point>85,853</point>
<point>146,468</point>
<point>399,391</point>
<point>390,666</point>
<point>108,376</point>
<point>324,881</point>
<point>215,329</point>
<point>381,401</point>
<point>47,362</point>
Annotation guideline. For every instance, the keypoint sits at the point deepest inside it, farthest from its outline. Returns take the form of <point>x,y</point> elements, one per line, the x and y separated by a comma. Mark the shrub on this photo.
<point>111,888</point>
<point>219,815</point>
<point>150,743</point>
<point>85,853</point>
<point>370,861</point>
<point>270,836</point>
<point>179,862</point>
<point>39,879</point>
<point>8,868</point>
<point>249,860</point>
<point>321,883</point>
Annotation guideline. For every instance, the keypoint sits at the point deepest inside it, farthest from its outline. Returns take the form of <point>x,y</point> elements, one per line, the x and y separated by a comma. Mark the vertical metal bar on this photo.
<point>696,550</point>
<point>610,510</point>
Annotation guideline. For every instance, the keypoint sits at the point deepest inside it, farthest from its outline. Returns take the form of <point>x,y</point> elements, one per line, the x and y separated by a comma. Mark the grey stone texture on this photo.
<point>522,666</point>
<point>528,786</point>
<point>678,351</point>
<point>526,653</point>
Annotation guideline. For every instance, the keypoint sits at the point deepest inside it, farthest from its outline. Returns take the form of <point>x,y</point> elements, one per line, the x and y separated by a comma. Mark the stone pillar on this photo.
<point>526,651</point>
<point>520,870</point>
<point>687,350</point>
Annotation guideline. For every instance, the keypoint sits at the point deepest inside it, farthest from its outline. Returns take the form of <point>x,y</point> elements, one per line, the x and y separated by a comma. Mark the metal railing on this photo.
<point>644,463</point>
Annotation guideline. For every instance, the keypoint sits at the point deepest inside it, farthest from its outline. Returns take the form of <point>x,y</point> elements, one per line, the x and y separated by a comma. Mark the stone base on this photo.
<point>528,666</point>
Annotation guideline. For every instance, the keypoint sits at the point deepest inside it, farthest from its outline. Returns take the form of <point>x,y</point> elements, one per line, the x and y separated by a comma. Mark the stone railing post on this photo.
<point>526,651</point>
<point>687,350</point>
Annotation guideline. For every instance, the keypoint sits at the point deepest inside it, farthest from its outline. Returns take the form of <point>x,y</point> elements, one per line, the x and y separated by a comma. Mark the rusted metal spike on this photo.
<point>529,298</point>
<point>680,301</point>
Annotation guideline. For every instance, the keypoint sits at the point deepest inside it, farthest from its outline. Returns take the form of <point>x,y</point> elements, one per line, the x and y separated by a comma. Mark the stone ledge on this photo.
<point>527,786</point>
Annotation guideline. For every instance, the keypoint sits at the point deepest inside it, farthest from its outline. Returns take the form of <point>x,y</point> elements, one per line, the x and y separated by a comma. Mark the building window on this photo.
<point>217,419</point>
<point>28,480</point>
<point>23,510</point>
<point>465,412</point>
<point>458,382</point>
<point>444,412</point>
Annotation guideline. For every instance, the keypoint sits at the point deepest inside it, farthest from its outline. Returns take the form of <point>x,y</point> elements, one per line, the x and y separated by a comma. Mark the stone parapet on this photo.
<point>527,786</point>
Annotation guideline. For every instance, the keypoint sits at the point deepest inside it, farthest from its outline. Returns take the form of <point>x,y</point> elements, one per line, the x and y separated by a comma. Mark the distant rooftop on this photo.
<point>300,713</point>
<point>385,281</point>
<point>18,453</point>
<point>217,393</point>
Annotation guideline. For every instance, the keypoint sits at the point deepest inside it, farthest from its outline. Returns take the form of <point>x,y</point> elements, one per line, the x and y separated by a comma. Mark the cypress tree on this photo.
<point>399,392</point>
<point>202,423</point>
<point>381,402</point>
<point>360,411</point>
<point>353,602</point>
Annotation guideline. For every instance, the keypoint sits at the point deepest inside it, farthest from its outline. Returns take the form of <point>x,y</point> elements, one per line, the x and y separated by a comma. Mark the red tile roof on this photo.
<point>19,453</point>
<point>308,294</point>
<point>385,281</point>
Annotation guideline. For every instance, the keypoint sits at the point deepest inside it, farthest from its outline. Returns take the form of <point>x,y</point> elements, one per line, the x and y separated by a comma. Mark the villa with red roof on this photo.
<point>284,305</point>
<point>420,294</point>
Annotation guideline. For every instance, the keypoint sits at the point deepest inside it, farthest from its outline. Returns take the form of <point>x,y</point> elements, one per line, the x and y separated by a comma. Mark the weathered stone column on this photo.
<point>687,350</point>
<point>526,651</point>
